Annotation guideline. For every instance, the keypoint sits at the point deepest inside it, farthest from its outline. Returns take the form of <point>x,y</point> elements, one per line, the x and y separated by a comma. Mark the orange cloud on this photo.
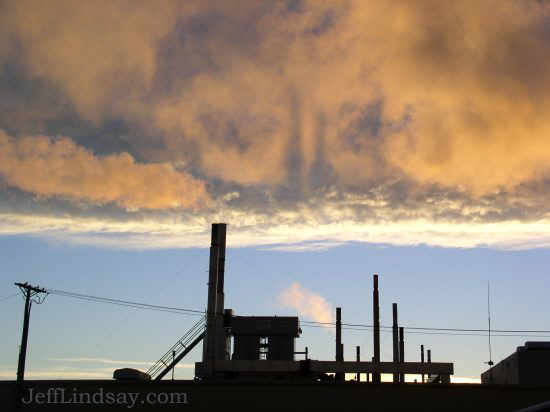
<point>460,89</point>
<point>59,167</point>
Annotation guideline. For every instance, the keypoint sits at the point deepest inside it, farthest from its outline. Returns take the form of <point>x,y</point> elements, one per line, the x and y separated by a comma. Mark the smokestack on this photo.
<point>376,330</point>
<point>339,346</point>
<point>221,235</point>
<point>221,340</point>
<point>422,358</point>
<point>395,342</point>
<point>209,347</point>
<point>401,352</point>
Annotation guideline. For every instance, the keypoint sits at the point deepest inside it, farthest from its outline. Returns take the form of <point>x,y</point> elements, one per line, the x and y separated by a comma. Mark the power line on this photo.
<point>349,326</point>
<point>126,303</point>
<point>362,325</point>
<point>436,333</point>
<point>9,297</point>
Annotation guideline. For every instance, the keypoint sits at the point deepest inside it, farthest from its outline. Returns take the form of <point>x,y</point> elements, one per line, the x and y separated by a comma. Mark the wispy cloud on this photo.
<point>114,362</point>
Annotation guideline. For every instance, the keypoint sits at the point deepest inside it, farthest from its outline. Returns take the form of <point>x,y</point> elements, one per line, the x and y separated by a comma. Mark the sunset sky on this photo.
<point>336,138</point>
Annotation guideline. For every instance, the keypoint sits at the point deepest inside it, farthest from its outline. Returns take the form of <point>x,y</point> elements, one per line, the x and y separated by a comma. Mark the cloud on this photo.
<point>114,362</point>
<point>409,122</point>
<point>308,304</point>
<point>47,167</point>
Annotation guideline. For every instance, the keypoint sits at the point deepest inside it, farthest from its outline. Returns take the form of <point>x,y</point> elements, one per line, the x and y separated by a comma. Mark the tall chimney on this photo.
<point>221,235</point>
<point>401,352</point>
<point>395,342</point>
<point>376,330</point>
<point>209,346</point>
<point>221,343</point>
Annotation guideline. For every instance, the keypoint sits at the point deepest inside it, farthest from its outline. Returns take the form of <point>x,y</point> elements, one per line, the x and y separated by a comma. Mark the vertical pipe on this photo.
<point>422,358</point>
<point>376,329</point>
<point>395,342</point>
<point>401,352</point>
<point>358,355</point>
<point>339,349</point>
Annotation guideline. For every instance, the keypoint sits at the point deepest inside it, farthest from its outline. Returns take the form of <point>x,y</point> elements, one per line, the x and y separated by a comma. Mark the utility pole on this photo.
<point>29,292</point>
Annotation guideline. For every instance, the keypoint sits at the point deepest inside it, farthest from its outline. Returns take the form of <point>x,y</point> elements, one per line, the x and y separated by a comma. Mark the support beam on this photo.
<point>358,357</point>
<point>429,361</point>
<point>339,347</point>
<point>422,358</point>
<point>333,367</point>
<point>415,368</point>
<point>376,329</point>
<point>401,352</point>
<point>395,340</point>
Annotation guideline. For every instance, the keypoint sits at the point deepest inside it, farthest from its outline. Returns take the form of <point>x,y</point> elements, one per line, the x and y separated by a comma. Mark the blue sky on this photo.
<point>434,287</point>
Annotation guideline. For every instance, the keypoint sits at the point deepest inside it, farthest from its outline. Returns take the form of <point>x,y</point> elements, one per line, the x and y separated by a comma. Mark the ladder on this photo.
<point>177,352</point>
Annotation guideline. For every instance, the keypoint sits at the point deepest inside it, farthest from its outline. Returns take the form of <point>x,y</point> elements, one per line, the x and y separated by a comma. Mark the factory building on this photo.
<point>528,365</point>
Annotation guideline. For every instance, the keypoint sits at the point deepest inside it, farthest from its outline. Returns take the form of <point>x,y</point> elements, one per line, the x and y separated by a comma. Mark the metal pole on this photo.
<point>422,358</point>
<point>376,330</point>
<point>358,355</point>
<point>401,352</point>
<point>339,347</point>
<point>395,342</point>
<point>429,353</point>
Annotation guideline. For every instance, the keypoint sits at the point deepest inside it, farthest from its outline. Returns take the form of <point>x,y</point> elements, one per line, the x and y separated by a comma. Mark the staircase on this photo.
<point>177,352</point>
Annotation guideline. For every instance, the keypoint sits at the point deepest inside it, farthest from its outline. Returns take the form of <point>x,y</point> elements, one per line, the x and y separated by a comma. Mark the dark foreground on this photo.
<point>108,395</point>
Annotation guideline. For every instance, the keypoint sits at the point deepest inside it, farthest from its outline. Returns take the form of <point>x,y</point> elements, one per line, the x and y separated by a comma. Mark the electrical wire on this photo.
<point>361,325</point>
<point>435,333</point>
<point>307,323</point>
<point>126,303</point>
<point>9,297</point>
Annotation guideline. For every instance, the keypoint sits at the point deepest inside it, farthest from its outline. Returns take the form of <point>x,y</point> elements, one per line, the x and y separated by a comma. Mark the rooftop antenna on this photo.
<point>490,363</point>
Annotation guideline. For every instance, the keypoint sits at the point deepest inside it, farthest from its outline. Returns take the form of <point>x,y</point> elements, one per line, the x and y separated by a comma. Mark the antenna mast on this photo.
<point>490,363</point>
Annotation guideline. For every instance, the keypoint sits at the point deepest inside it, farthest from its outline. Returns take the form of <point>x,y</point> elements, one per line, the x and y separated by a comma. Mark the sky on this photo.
<point>336,139</point>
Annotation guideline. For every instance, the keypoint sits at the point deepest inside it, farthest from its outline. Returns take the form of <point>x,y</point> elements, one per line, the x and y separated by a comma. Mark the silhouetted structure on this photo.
<point>528,365</point>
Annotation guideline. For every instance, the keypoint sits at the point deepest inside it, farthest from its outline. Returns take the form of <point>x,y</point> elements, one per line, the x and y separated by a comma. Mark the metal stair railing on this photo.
<point>184,344</point>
